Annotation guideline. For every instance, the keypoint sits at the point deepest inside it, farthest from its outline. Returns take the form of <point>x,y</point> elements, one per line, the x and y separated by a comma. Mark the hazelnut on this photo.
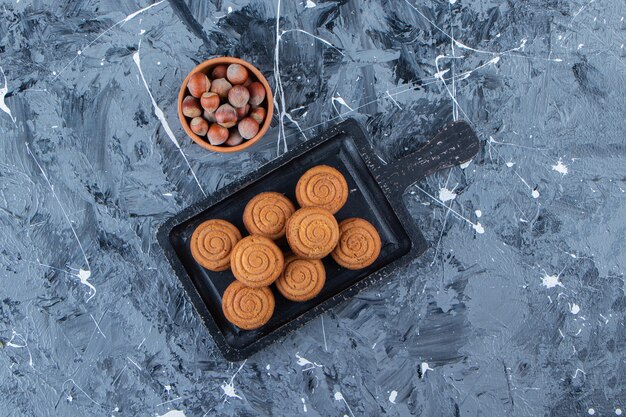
<point>217,134</point>
<point>242,111</point>
<point>248,82</point>
<point>257,93</point>
<point>198,84</point>
<point>235,138</point>
<point>191,107</point>
<point>210,116</point>
<point>220,86</point>
<point>210,101</point>
<point>219,72</point>
<point>237,74</point>
<point>199,126</point>
<point>238,96</point>
<point>226,116</point>
<point>258,114</point>
<point>248,127</point>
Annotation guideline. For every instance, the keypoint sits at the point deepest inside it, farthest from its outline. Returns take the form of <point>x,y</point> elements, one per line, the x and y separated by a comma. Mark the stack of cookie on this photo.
<point>311,232</point>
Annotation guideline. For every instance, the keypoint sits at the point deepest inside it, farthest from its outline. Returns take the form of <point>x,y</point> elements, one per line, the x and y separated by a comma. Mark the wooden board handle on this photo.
<point>454,144</point>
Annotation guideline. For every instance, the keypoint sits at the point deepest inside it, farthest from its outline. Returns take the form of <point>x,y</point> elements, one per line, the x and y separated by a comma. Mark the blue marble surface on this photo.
<point>518,307</point>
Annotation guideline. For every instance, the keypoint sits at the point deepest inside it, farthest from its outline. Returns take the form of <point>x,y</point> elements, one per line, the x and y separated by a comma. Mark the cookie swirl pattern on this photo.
<point>247,308</point>
<point>359,244</point>
<point>302,279</point>
<point>322,186</point>
<point>212,242</point>
<point>266,215</point>
<point>312,232</point>
<point>256,261</point>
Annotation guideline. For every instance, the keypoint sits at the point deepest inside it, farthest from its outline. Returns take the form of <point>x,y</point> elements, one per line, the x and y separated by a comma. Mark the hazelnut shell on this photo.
<point>242,111</point>
<point>219,72</point>
<point>226,115</point>
<point>248,127</point>
<point>210,101</point>
<point>221,86</point>
<point>238,96</point>
<point>198,84</point>
<point>258,114</point>
<point>237,74</point>
<point>257,93</point>
<point>191,107</point>
<point>235,138</point>
<point>199,126</point>
<point>217,134</point>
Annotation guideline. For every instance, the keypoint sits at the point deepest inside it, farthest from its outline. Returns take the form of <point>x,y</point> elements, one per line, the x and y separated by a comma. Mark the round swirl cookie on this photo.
<point>322,186</point>
<point>212,242</point>
<point>312,232</point>
<point>256,261</point>
<point>266,214</point>
<point>247,308</point>
<point>302,279</point>
<point>359,244</point>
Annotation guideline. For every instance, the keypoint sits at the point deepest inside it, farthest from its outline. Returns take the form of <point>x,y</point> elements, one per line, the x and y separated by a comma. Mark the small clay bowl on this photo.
<point>206,67</point>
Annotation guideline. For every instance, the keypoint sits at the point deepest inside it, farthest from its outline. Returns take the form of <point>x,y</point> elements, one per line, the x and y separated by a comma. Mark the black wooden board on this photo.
<point>375,194</point>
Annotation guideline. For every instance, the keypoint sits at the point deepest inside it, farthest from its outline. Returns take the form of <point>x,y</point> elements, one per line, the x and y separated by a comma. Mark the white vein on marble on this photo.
<point>307,364</point>
<point>69,397</point>
<point>21,343</point>
<point>339,397</point>
<point>119,23</point>
<point>161,116</point>
<point>494,60</point>
<point>3,92</point>
<point>279,94</point>
<point>560,167</point>
<point>228,388</point>
<point>173,413</point>
<point>82,274</point>
<point>476,226</point>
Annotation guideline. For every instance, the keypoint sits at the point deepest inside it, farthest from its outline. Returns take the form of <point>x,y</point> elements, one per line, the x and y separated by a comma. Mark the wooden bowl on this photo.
<point>206,67</point>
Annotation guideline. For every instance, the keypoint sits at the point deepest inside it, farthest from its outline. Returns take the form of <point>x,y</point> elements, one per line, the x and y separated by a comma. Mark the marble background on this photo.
<point>518,307</point>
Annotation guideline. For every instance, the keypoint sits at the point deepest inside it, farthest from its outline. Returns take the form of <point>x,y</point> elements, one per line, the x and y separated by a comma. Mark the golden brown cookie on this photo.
<point>359,244</point>
<point>312,232</point>
<point>267,214</point>
<point>322,186</point>
<point>302,279</point>
<point>212,242</point>
<point>247,308</point>
<point>256,261</point>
